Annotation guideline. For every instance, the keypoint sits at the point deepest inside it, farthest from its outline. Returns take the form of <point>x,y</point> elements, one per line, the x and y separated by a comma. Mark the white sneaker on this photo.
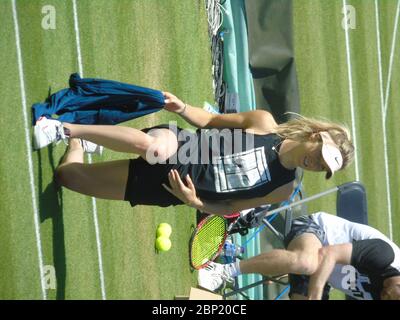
<point>214,276</point>
<point>90,147</point>
<point>47,131</point>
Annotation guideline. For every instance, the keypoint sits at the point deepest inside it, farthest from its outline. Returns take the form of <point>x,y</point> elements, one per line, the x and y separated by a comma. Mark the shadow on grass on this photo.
<point>51,207</point>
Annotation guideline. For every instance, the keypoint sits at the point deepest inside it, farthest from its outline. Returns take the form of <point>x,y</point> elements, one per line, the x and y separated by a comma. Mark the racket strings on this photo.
<point>208,241</point>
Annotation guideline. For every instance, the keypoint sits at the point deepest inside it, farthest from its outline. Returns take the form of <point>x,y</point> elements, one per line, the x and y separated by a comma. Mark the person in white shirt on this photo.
<point>324,251</point>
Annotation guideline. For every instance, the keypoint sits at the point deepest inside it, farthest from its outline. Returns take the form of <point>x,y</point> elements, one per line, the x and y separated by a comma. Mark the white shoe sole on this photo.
<point>37,142</point>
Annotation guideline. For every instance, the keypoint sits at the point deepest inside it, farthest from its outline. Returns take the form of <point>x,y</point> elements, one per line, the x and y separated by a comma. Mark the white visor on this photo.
<point>331,154</point>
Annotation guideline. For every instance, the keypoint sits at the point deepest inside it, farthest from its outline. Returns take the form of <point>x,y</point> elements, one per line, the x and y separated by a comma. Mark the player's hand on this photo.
<point>172,103</point>
<point>185,193</point>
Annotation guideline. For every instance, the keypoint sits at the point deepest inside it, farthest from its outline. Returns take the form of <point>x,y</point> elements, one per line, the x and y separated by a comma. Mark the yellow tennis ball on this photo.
<point>164,229</point>
<point>163,243</point>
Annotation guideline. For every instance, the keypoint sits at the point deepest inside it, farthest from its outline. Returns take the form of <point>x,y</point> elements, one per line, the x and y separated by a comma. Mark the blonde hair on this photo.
<point>300,129</point>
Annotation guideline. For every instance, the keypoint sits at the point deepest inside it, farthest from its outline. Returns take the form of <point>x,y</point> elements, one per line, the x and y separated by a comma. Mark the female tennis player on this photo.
<point>250,161</point>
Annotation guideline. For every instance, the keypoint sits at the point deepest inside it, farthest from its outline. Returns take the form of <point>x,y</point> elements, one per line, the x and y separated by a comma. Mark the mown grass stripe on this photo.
<point>28,148</point>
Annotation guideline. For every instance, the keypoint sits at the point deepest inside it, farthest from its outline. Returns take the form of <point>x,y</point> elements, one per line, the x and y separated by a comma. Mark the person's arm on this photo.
<point>187,194</point>
<point>259,121</point>
<point>329,256</point>
<point>230,206</point>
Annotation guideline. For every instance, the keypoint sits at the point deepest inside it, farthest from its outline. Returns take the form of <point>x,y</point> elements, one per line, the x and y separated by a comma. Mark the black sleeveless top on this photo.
<point>231,163</point>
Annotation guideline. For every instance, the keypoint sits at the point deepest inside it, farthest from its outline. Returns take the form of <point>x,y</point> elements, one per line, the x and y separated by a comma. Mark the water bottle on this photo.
<point>230,251</point>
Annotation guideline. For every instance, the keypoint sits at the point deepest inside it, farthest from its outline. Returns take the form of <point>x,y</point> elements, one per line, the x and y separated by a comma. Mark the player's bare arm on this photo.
<point>328,257</point>
<point>257,121</point>
<point>187,194</point>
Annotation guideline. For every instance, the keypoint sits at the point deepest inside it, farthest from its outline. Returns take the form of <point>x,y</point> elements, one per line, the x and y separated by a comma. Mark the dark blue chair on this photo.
<point>351,202</point>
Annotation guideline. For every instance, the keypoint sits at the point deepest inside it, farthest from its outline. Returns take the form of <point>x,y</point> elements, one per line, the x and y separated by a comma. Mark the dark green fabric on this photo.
<point>271,55</point>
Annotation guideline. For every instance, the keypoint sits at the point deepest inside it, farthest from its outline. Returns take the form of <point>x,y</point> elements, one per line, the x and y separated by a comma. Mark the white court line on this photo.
<point>391,57</point>
<point>351,95</point>
<point>383,118</point>
<point>96,222</point>
<point>28,147</point>
<point>378,44</point>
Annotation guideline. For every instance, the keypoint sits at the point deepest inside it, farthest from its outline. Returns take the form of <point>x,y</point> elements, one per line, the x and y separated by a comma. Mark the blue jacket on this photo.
<point>97,101</point>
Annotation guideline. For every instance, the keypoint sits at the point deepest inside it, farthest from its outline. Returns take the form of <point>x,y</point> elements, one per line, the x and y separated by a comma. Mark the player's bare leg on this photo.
<point>106,180</point>
<point>161,143</point>
<point>301,257</point>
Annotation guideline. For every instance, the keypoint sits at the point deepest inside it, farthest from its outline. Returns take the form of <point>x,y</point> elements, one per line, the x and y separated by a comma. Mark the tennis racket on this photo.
<point>208,239</point>
<point>232,215</point>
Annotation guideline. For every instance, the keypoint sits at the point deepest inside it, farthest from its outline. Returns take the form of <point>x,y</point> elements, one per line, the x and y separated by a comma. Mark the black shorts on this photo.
<point>302,225</point>
<point>299,285</point>
<point>144,185</point>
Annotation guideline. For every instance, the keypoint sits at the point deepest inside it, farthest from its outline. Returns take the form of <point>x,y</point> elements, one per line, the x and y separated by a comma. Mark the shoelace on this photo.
<point>215,279</point>
<point>223,275</point>
<point>59,136</point>
<point>227,278</point>
<point>49,135</point>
